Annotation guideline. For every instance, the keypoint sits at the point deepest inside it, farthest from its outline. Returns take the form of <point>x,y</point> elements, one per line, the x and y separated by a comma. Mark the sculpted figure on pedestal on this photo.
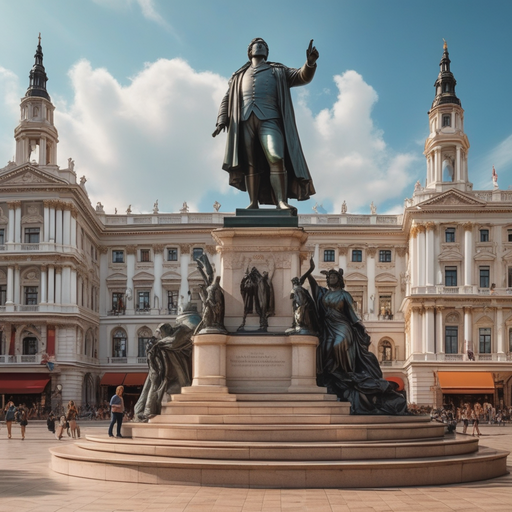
<point>263,151</point>
<point>347,367</point>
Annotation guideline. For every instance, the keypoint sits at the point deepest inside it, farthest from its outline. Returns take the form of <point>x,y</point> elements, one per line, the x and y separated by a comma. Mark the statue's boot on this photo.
<point>279,183</point>
<point>252,183</point>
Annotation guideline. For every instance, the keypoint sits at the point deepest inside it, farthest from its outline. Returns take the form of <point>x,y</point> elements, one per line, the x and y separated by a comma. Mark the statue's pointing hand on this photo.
<point>312,54</point>
<point>220,128</point>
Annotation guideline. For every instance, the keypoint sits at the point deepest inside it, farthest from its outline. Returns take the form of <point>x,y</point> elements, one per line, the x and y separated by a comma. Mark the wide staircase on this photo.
<point>280,441</point>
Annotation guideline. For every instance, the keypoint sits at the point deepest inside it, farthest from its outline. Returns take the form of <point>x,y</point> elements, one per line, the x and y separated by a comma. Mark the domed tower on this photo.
<point>447,146</point>
<point>36,136</point>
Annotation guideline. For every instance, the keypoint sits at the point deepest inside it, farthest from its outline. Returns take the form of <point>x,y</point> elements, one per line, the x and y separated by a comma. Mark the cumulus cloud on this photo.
<point>347,154</point>
<point>149,140</point>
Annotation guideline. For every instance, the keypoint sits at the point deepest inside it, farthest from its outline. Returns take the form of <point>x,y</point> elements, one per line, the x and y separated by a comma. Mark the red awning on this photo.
<point>23,383</point>
<point>135,379</point>
<point>112,379</point>
<point>396,380</point>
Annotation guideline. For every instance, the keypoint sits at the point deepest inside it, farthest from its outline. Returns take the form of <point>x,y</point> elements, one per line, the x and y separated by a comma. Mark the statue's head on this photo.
<point>295,281</point>
<point>334,278</point>
<point>257,47</point>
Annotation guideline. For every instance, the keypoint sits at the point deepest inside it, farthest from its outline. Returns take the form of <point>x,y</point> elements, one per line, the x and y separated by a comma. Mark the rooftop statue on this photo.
<point>263,151</point>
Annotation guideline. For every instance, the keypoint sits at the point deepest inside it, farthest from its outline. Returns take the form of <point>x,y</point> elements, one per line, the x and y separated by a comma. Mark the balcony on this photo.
<point>128,360</point>
<point>458,290</point>
<point>21,359</point>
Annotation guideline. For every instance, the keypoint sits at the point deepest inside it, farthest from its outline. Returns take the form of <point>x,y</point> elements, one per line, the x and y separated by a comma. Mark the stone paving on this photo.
<point>27,484</point>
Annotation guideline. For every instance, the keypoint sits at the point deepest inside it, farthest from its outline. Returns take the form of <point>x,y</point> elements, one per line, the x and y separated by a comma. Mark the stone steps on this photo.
<point>283,432</point>
<point>74,461</point>
<point>283,451</point>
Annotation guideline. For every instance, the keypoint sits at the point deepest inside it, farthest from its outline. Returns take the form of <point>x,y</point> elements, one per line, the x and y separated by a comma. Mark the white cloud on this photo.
<point>149,140</point>
<point>346,153</point>
<point>9,111</point>
<point>501,157</point>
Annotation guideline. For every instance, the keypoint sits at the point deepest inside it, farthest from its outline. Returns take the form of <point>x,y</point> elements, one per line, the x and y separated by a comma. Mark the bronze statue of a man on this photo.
<point>263,152</point>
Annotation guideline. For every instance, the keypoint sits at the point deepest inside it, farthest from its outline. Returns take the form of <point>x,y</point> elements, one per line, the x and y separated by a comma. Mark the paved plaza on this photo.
<point>27,484</point>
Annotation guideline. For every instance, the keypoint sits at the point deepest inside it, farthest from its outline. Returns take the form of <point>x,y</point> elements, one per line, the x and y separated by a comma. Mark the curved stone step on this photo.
<point>75,461</point>
<point>283,433</point>
<point>283,451</point>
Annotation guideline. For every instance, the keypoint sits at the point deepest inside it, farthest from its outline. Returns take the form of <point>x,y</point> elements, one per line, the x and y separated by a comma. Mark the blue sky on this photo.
<point>137,85</point>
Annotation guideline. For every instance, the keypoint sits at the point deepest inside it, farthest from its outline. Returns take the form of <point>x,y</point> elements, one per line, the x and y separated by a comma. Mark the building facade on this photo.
<point>81,290</point>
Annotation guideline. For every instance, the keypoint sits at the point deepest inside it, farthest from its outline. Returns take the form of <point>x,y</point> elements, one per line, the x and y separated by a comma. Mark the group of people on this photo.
<point>66,423</point>
<point>18,415</point>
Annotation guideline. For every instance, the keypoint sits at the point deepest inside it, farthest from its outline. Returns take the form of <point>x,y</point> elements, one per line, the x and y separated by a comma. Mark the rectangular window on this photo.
<point>385,256</point>
<point>31,235</point>
<point>451,339</point>
<point>509,277</point>
<point>172,302</point>
<point>118,301</point>
<point>143,300</point>
<point>119,347</point>
<point>385,307</point>
<point>509,235</point>
<point>197,252</point>
<point>510,340</point>
<point>29,346</point>
<point>329,255</point>
<point>2,236</point>
<point>357,255</point>
<point>484,277</point>
<point>449,235</point>
<point>144,255</point>
<point>3,295</point>
<point>31,295</point>
<point>484,338</point>
<point>117,256</point>
<point>447,120</point>
<point>484,235</point>
<point>172,254</point>
<point>450,276</point>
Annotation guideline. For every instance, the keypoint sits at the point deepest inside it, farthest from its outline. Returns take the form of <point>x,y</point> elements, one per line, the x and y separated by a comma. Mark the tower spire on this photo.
<point>37,75</point>
<point>445,83</point>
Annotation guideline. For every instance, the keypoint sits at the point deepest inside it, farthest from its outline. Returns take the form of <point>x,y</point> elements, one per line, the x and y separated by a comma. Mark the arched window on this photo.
<point>119,343</point>
<point>89,343</point>
<point>385,350</point>
<point>144,336</point>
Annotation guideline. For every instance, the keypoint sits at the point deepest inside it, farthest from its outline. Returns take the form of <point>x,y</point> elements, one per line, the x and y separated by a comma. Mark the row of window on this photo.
<point>450,276</point>
<point>145,254</point>
<point>451,340</point>
<point>449,235</point>
<point>357,255</point>
<point>31,236</point>
<point>142,301</point>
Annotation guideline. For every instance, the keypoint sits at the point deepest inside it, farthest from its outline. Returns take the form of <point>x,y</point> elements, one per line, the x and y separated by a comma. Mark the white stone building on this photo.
<point>81,291</point>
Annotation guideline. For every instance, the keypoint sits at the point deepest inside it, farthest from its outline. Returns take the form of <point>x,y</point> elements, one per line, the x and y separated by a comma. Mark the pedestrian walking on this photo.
<point>22,420</point>
<point>59,431</point>
<point>50,422</point>
<point>465,422</point>
<point>117,408</point>
<point>475,424</point>
<point>10,416</point>
<point>71,417</point>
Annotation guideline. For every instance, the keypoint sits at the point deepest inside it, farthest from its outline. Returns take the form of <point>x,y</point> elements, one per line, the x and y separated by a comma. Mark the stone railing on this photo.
<point>128,360</point>
<point>21,359</point>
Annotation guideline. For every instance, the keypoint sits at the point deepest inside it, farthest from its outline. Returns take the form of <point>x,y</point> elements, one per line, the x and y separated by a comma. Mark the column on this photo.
<point>17,223</point>
<point>413,283</point>
<point>43,298</point>
<point>421,255</point>
<point>430,253</point>
<point>458,173</point>
<point>73,228</point>
<point>17,284</point>
<point>158,299</point>
<point>58,225</point>
<point>10,232</point>
<point>42,151</point>
<point>51,284</point>
<point>131,252</point>
<point>428,329</point>
<point>416,341</point>
<point>499,333</point>
<point>316,255</point>
<point>46,223</point>
<point>468,335</point>
<point>72,287</point>
<point>468,253</point>
<point>52,221</point>
<point>10,285</point>
<point>370,272</point>
<point>440,330</point>
<point>342,256</point>
<point>104,294</point>
<point>79,291</point>
<point>66,226</point>
<point>66,284</point>
<point>184,262</point>
<point>58,285</point>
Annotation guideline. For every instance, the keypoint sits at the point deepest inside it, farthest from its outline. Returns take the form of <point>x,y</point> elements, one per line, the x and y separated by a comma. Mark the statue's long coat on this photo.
<point>300,183</point>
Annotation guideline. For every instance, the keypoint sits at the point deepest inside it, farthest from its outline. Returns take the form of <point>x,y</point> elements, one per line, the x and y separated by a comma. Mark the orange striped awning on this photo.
<point>466,382</point>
